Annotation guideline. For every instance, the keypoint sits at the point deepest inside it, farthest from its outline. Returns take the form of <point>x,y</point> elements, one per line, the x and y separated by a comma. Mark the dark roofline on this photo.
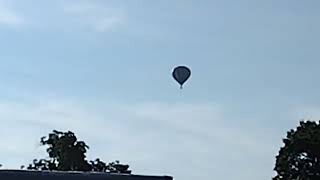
<point>31,173</point>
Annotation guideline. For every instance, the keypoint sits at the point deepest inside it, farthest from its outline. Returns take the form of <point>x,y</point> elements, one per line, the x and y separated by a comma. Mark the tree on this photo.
<point>66,153</point>
<point>299,158</point>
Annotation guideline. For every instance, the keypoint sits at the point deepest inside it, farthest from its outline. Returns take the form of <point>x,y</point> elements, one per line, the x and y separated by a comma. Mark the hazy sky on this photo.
<point>102,68</point>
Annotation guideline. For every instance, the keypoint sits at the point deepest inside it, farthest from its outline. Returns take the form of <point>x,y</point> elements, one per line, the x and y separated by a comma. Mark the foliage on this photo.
<point>299,158</point>
<point>66,153</point>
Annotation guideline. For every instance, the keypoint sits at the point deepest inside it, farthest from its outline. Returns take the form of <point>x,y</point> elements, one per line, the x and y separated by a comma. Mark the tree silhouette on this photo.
<point>66,153</point>
<point>299,158</point>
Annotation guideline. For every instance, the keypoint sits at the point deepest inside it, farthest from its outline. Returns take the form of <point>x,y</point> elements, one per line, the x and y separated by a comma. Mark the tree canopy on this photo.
<point>67,153</point>
<point>299,158</point>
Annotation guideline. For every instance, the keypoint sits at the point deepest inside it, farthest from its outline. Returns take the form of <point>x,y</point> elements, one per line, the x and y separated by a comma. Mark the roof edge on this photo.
<point>18,171</point>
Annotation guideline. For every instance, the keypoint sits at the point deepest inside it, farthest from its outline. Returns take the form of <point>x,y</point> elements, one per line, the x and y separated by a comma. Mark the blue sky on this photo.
<point>102,68</point>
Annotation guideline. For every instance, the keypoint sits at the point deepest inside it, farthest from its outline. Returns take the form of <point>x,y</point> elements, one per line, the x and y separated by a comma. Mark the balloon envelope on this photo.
<point>181,74</point>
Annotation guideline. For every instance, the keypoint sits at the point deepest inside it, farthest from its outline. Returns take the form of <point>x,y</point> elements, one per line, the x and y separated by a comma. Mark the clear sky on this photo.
<point>102,68</point>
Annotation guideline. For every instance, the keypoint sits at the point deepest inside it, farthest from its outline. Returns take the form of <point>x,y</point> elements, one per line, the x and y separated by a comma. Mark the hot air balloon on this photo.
<point>181,74</point>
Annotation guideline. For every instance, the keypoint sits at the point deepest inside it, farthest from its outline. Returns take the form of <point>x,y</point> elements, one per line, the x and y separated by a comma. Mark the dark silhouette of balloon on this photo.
<point>181,74</point>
